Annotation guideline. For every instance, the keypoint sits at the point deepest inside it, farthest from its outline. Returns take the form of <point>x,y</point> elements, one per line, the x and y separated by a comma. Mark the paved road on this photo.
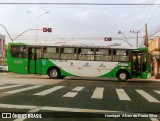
<point>30,93</point>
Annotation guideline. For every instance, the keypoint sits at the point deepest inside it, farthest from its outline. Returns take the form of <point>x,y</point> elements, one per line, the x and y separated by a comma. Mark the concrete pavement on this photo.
<point>28,92</point>
<point>14,78</point>
<point>150,79</point>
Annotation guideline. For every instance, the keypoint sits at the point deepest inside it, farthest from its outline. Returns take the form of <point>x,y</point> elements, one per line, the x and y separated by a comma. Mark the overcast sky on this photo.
<point>79,24</point>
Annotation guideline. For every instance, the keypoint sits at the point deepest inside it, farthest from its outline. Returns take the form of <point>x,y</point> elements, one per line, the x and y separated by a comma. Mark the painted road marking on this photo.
<point>73,94</point>
<point>98,93</point>
<point>154,119</point>
<point>32,111</point>
<point>63,109</point>
<point>147,96</point>
<point>77,89</point>
<point>48,91</point>
<point>6,87</point>
<point>75,109</point>
<point>70,94</point>
<point>54,108</point>
<point>122,95</point>
<point>23,89</point>
<point>17,106</point>
<point>157,91</point>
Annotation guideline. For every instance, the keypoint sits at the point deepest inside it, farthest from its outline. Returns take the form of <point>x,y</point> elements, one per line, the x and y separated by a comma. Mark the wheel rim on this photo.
<point>122,76</point>
<point>54,73</point>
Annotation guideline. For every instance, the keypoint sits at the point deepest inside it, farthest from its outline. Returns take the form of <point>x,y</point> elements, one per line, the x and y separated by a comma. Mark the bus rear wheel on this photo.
<point>122,75</point>
<point>54,73</point>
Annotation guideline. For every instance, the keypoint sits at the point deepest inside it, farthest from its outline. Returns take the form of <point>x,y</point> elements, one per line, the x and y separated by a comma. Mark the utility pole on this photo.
<point>136,32</point>
<point>146,36</point>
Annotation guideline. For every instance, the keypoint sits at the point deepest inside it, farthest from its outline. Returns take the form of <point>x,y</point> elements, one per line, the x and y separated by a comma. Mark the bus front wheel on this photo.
<point>54,73</point>
<point>122,75</point>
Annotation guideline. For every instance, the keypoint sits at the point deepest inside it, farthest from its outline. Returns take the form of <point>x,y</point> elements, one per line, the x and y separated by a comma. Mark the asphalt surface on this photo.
<point>77,98</point>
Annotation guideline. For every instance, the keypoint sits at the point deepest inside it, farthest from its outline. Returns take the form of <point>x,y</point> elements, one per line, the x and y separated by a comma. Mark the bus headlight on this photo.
<point>25,68</point>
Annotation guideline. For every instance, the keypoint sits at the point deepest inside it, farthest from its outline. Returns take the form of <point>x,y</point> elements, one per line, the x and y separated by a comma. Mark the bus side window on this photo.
<point>103,54</point>
<point>86,54</point>
<point>18,51</point>
<point>120,55</point>
<point>51,52</point>
<point>38,53</point>
<point>69,53</point>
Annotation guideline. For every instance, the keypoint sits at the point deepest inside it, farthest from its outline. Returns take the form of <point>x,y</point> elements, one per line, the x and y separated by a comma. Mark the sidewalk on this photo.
<point>37,79</point>
<point>152,79</point>
<point>13,78</point>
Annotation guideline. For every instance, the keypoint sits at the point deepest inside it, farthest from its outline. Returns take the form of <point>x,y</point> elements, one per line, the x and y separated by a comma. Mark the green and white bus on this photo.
<point>84,61</point>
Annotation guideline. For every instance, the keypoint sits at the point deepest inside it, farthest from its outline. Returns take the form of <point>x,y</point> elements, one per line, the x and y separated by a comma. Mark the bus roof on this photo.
<point>80,46</point>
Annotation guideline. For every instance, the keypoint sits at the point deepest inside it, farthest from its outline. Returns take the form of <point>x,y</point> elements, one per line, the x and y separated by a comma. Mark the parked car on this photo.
<point>3,68</point>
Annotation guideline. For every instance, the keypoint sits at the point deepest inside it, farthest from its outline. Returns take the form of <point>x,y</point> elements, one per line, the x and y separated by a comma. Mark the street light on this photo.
<point>37,18</point>
<point>120,32</point>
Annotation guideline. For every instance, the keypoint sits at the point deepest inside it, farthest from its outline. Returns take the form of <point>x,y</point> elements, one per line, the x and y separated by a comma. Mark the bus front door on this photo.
<point>136,68</point>
<point>34,60</point>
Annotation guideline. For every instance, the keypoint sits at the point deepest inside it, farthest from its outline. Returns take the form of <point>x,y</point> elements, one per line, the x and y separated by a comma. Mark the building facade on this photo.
<point>154,50</point>
<point>2,49</point>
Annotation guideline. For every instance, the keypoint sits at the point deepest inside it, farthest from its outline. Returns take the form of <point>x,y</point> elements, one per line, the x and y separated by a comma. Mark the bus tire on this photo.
<point>122,76</point>
<point>54,73</point>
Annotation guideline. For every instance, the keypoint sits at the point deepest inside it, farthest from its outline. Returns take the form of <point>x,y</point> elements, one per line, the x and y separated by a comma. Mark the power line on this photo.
<point>155,33</point>
<point>154,30</point>
<point>141,14</point>
<point>153,14</point>
<point>93,4</point>
<point>148,18</point>
<point>144,17</point>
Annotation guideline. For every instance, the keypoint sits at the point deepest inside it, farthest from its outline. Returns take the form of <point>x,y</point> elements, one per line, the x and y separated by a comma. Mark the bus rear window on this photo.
<point>18,51</point>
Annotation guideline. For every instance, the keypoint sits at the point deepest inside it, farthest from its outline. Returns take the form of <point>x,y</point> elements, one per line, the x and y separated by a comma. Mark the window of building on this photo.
<point>85,54</point>
<point>68,53</point>
<point>103,55</point>
<point>18,51</point>
<point>120,55</point>
<point>51,52</point>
